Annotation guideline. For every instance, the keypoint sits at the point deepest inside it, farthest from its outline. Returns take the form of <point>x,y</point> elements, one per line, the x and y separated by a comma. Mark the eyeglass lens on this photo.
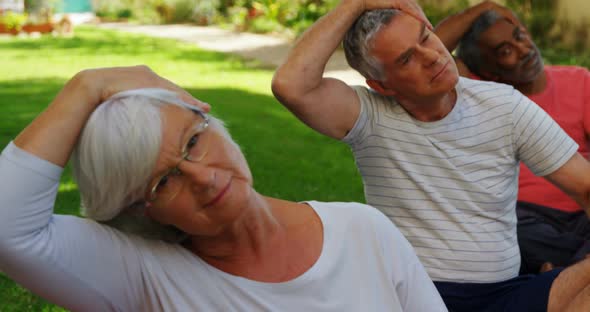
<point>194,150</point>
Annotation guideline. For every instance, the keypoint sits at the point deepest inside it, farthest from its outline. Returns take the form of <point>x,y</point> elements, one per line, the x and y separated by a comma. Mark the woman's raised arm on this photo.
<point>75,263</point>
<point>53,134</point>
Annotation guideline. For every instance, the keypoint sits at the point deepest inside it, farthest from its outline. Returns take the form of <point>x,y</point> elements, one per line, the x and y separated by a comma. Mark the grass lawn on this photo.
<point>287,159</point>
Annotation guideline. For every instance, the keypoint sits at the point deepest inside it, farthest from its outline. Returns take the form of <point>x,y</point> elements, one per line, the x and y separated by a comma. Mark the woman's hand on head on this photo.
<point>53,134</point>
<point>105,82</point>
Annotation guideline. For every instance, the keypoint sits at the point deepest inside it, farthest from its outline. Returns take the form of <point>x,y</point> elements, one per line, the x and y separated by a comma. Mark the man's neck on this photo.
<point>430,109</point>
<point>536,86</point>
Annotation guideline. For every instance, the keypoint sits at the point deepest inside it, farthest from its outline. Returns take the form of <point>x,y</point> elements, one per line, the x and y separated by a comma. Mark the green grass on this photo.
<point>557,55</point>
<point>287,159</point>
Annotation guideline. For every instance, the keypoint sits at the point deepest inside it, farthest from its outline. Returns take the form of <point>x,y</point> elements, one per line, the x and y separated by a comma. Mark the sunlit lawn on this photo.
<point>287,159</point>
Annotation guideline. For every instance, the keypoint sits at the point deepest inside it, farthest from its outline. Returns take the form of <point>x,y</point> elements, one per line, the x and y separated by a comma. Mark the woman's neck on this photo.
<point>274,241</point>
<point>246,235</point>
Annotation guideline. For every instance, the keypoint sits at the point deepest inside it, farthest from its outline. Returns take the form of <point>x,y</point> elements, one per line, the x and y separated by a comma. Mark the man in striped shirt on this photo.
<point>438,154</point>
<point>552,228</point>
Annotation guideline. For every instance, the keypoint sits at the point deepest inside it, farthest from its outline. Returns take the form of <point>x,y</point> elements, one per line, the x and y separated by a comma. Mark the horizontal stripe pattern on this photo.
<point>450,186</point>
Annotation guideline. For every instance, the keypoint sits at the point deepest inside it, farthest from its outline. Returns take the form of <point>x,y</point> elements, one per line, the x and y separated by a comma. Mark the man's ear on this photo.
<point>378,86</point>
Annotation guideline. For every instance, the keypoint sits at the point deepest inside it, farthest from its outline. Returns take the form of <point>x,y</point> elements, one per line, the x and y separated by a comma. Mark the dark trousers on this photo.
<point>550,235</point>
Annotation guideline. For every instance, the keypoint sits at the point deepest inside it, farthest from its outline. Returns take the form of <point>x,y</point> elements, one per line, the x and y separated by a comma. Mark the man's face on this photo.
<point>417,65</point>
<point>510,54</point>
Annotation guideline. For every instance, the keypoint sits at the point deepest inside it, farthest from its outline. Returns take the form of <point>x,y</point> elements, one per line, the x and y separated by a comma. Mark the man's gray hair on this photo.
<point>114,158</point>
<point>358,42</point>
<point>469,51</point>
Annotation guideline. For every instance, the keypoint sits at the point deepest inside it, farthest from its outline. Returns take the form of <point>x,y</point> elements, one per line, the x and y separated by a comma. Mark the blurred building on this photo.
<point>76,6</point>
<point>12,5</point>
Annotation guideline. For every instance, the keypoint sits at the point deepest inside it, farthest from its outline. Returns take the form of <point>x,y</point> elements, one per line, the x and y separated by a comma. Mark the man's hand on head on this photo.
<point>409,7</point>
<point>503,11</point>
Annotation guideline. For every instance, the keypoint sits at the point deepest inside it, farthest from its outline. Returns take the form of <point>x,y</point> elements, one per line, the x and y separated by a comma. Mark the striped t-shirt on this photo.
<point>450,186</point>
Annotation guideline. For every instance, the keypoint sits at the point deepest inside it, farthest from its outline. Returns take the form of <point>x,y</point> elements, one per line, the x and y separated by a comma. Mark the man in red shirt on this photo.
<point>493,45</point>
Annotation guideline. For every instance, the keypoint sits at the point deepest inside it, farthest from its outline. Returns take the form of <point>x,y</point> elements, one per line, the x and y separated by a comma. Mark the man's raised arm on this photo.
<point>451,29</point>
<point>327,105</point>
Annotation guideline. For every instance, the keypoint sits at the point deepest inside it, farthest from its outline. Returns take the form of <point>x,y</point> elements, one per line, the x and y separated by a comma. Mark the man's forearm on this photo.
<point>451,29</point>
<point>305,65</point>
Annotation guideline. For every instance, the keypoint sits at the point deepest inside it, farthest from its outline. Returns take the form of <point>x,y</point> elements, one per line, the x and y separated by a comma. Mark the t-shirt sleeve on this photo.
<point>361,128</point>
<point>414,288</point>
<point>586,104</point>
<point>538,140</point>
<point>73,262</point>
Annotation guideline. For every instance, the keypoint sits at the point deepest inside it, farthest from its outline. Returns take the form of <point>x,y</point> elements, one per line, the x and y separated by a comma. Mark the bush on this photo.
<point>202,12</point>
<point>295,16</point>
<point>309,12</point>
<point>40,6</point>
<point>113,10</point>
<point>206,12</point>
<point>41,11</point>
<point>436,12</point>
<point>273,16</point>
<point>13,21</point>
<point>539,19</point>
<point>264,24</point>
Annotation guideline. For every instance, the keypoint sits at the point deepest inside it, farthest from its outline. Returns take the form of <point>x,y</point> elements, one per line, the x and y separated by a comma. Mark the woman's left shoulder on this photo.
<point>348,212</point>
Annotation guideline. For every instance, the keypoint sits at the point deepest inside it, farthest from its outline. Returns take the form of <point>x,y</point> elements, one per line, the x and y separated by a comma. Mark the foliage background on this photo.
<point>292,17</point>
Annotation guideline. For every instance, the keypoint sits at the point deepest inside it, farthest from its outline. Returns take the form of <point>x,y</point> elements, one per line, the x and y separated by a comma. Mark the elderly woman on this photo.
<point>180,226</point>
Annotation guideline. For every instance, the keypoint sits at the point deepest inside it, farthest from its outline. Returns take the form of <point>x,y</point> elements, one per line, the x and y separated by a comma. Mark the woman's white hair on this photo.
<point>115,156</point>
<point>118,149</point>
<point>116,153</point>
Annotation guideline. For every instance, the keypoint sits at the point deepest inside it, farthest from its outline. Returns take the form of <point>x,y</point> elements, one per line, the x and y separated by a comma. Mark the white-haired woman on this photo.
<point>185,229</point>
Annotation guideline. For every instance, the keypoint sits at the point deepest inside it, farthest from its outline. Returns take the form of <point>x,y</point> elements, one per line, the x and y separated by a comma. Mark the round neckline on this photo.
<point>295,282</point>
<point>448,117</point>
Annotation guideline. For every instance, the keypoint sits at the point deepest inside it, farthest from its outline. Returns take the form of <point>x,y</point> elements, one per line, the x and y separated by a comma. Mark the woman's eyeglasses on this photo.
<point>171,183</point>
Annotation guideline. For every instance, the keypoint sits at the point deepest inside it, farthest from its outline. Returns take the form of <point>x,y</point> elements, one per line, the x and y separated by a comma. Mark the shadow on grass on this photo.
<point>288,160</point>
<point>279,148</point>
<point>21,101</point>
<point>276,144</point>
